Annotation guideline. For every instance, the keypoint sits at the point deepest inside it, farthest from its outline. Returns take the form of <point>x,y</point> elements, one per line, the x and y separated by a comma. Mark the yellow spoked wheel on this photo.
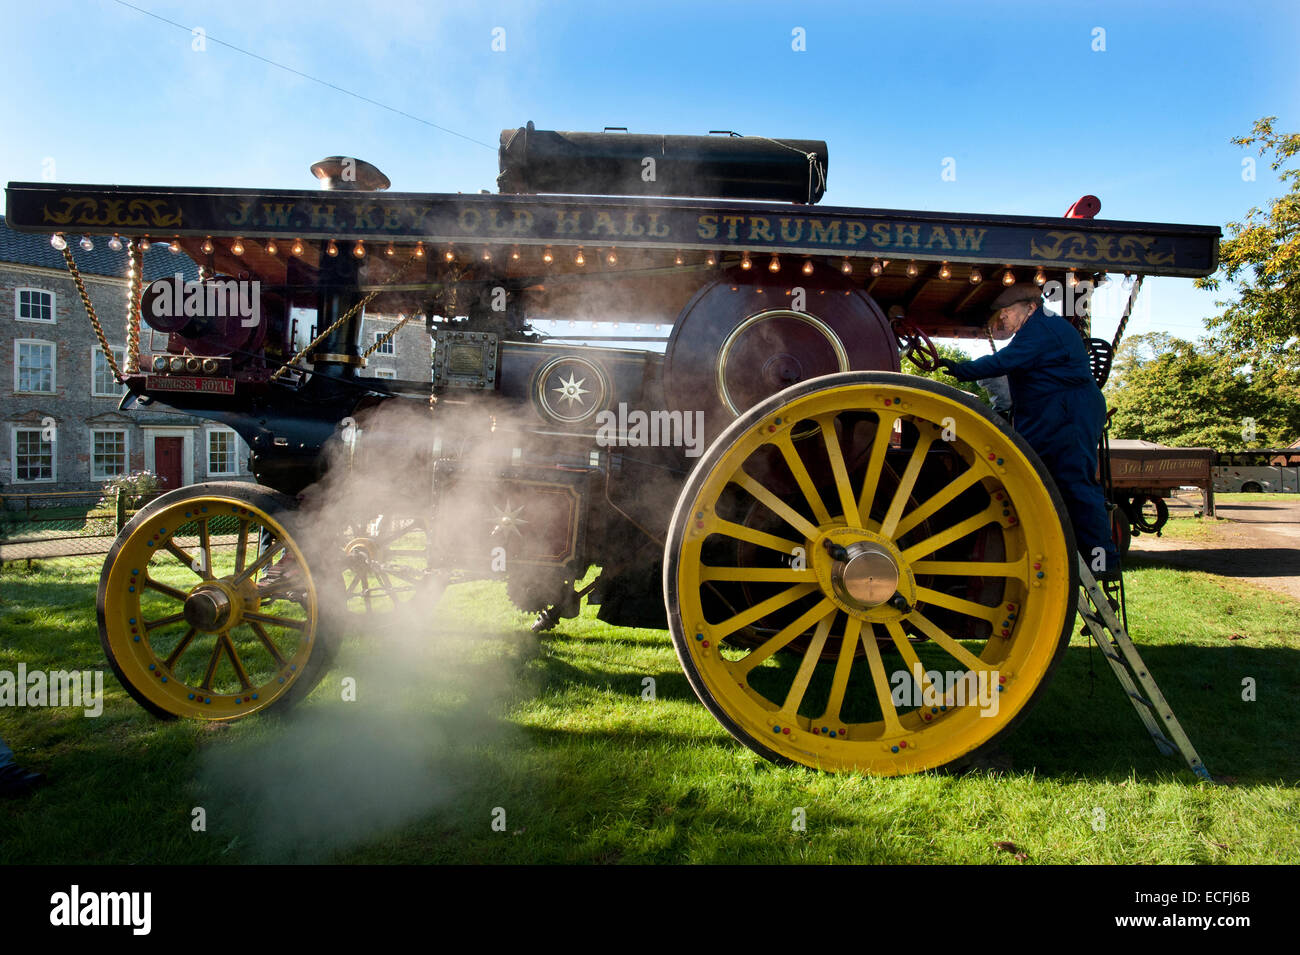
<point>866,572</point>
<point>207,608</point>
<point>387,564</point>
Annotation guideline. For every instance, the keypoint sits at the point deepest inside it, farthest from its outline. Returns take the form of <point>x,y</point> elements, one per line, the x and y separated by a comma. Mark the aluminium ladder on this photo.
<point>1113,640</point>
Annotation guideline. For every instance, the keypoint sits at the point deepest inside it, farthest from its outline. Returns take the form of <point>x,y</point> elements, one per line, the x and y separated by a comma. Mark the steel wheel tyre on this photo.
<point>207,608</point>
<point>982,570</point>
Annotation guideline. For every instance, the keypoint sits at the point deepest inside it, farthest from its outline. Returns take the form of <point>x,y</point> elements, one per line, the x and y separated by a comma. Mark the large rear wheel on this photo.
<point>905,594</point>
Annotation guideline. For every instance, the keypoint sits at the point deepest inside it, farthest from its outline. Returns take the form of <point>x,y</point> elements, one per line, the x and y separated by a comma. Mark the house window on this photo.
<point>33,456</point>
<point>34,305</point>
<point>102,382</point>
<point>387,348</point>
<point>33,366</point>
<point>385,373</point>
<point>108,457</point>
<point>221,453</point>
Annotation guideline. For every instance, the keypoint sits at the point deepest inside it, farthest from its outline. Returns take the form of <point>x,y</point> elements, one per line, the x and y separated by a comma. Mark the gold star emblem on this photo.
<point>571,390</point>
<point>508,520</point>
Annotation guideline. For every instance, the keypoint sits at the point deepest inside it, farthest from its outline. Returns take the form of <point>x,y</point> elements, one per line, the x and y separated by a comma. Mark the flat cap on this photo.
<point>1020,292</point>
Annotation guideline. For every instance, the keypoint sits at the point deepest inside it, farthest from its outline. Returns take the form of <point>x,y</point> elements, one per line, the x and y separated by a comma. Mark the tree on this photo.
<point>1262,257</point>
<point>1171,391</point>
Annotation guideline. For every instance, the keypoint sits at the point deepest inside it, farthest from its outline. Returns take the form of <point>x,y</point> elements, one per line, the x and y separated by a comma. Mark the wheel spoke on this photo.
<point>801,476</point>
<point>267,642</point>
<point>241,546</point>
<point>777,506</point>
<point>770,605</point>
<point>880,680</point>
<point>240,672</point>
<point>937,500</point>
<point>205,546</point>
<point>175,655</point>
<point>972,568</point>
<point>164,589</point>
<point>274,621</point>
<point>163,621</point>
<point>267,556</point>
<point>183,556</point>
<point>823,608</point>
<point>765,575</point>
<point>968,607</point>
<point>954,533</point>
<point>212,665</point>
<point>740,532</point>
<point>905,485</point>
<point>843,668</point>
<point>942,639</point>
<point>848,506</point>
<point>811,657</point>
<point>875,464</point>
<point>914,666</point>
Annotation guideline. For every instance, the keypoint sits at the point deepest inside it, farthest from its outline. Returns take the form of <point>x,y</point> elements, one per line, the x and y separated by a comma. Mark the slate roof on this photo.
<point>33,248</point>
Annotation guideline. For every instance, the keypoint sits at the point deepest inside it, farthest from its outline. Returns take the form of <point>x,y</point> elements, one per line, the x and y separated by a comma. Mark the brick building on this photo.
<point>62,430</point>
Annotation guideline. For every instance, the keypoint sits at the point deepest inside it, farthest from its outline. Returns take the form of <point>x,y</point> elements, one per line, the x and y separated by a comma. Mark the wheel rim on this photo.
<point>209,609</point>
<point>966,531</point>
<point>386,564</point>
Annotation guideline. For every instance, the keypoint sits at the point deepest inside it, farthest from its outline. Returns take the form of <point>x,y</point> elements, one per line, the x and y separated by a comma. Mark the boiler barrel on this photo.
<point>616,164</point>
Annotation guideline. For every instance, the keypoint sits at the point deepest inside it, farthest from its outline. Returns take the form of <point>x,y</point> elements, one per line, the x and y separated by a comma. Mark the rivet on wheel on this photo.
<point>699,636</point>
<point>776,729</point>
<point>785,730</point>
<point>191,696</point>
<point>164,679</point>
<point>1040,575</point>
<point>132,620</point>
<point>705,643</point>
<point>893,749</point>
<point>902,743</point>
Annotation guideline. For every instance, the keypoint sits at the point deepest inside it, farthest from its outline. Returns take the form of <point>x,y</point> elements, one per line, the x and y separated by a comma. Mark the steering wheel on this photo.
<point>915,345</point>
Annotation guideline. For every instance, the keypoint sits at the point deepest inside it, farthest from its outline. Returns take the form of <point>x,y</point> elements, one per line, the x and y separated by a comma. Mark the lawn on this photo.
<point>477,720</point>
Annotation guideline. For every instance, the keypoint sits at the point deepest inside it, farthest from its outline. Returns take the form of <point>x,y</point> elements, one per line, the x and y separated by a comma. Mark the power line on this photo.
<point>306,76</point>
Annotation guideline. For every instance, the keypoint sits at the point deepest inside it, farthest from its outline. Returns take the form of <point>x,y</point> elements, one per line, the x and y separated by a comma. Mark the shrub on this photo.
<point>140,487</point>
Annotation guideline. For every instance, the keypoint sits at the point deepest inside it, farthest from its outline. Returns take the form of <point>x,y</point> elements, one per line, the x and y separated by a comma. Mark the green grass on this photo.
<point>1239,497</point>
<point>475,713</point>
<point>1190,528</point>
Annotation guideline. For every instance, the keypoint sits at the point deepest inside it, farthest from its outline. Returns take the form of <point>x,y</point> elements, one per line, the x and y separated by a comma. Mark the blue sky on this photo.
<point>1014,92</point>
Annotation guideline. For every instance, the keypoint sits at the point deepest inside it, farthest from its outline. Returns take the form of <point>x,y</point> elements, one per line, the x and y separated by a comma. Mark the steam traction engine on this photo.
<point>806,521</point>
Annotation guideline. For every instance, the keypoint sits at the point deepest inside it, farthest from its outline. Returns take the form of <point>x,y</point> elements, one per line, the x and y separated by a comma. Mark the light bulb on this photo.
<point>208,246</point>
<point>359,250</point>
<point>579,259</point>
<point>876,267</point>
<point>449,255</point>
<point>807,267</point>
<point>332,248</point>
<point>1074,280</point>
<point>774,265</point>
<point>912,270</point>
<point>975,277</point>
<point>115,243</point>
<point>745,263</point>
<point>145,244</point>
<point>236,247</point>
<point>1040,277</point>
<point>419,250</point>
<point>514,255</point>
<point>58,241</point>
<point>390,251</point>
<point>1008,277</point>
<point>296,248</point>
<point>175,246</point>
<point>711,259</point>
<point>846,267</point>
<point>677,259</point>
<point>944,271</point>
<point>547,256</point>
<point>612,258</point>
<point>86,244</point>
<point>271,247</point>
<point>487,254</point>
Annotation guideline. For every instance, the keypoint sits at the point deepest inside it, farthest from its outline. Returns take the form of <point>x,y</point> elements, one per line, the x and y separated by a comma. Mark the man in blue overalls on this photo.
<point>1059,410</point>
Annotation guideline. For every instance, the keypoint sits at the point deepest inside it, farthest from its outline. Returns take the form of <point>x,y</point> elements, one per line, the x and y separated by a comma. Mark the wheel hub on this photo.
<point>868,578</point>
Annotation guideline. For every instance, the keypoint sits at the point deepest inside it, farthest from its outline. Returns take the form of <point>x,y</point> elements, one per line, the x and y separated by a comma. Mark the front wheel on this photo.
<point>207,608</point>
<point>867,572</point>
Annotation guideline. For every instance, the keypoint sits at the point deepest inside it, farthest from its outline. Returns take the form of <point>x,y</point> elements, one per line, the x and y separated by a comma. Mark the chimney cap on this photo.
<point>346,174</point>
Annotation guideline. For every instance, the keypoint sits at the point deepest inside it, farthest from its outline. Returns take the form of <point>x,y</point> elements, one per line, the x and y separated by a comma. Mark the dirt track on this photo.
<point>1257,541</point>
